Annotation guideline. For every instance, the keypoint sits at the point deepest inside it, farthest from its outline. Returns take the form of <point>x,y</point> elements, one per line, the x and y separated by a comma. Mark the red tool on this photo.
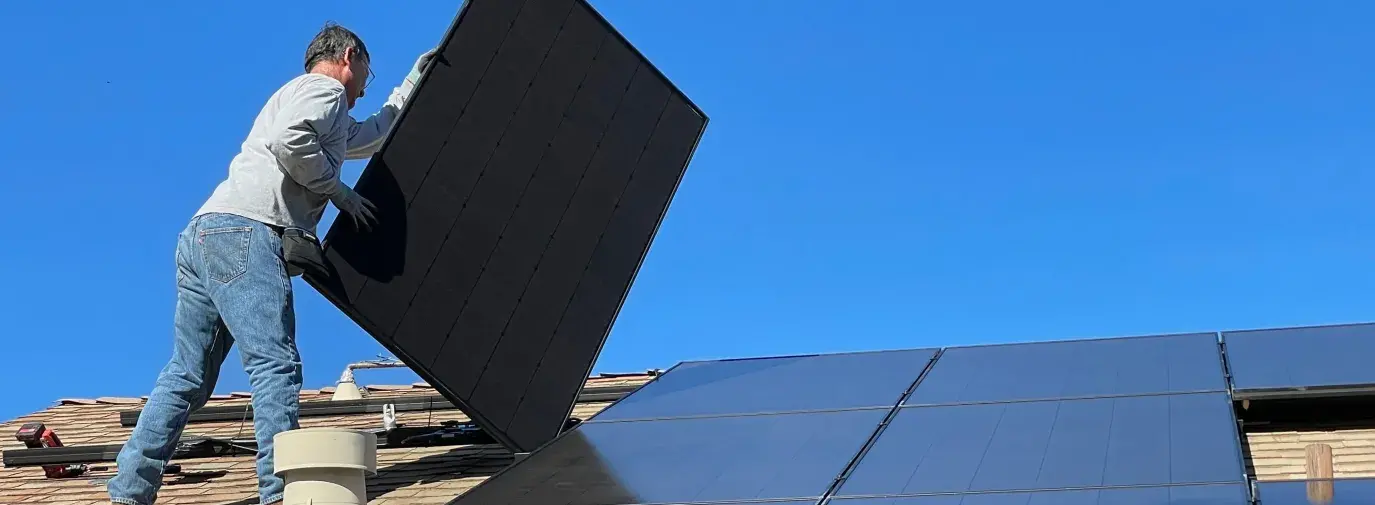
<point>38,436</point>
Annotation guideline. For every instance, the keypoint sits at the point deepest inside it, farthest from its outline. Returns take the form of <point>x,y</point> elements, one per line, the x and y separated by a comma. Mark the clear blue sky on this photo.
<point>877,174</point>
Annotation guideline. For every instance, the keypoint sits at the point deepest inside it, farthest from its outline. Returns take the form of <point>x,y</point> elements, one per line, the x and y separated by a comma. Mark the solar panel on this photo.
<point>517,197</point>
<point>791,456</point>
<point>1121,441</point>
<point>1074,369</point>
<point>1342,492</point>
<point>774,385</point>
<point>1307,360</point>
<point>1211,494</point>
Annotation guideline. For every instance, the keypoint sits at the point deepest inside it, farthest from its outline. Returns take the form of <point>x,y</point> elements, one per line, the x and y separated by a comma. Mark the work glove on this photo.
<point>421,64</point>
<point>356,207</point>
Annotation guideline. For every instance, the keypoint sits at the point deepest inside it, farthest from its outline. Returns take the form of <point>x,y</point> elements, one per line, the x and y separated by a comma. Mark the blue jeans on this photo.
<point>232,286</point>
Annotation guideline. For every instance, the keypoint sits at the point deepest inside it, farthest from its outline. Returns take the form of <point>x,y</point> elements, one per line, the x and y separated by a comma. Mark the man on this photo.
<point>233,279</point>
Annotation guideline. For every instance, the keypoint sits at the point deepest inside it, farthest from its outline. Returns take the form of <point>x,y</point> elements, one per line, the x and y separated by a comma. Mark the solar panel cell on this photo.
<point>1074,369</point>
<point>685,461</point>
<point>1123,441</point>
<point>768,385</point>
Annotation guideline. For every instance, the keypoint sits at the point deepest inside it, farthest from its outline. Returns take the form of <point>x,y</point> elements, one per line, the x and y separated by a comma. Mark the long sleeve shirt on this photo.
<point>288,167</point>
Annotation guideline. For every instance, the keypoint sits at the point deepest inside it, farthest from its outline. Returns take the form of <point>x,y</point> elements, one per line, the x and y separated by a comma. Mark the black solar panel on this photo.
<point>1121,441</point>
<point>1211,494</point>
<point>1074,369</point>
<point>1343,492</point>
<point>685,461</point>
<point>1296,361</point>
<point>773,385</point>
<point>517,195</point>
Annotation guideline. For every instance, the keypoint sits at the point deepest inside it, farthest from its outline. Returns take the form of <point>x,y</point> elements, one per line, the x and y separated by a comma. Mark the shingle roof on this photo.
<point>419,475</point>
<point>1280,455</point>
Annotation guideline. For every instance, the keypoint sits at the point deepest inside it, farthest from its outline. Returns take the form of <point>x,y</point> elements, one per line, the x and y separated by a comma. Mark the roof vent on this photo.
<point>325,466</point>
<point>347,389</point>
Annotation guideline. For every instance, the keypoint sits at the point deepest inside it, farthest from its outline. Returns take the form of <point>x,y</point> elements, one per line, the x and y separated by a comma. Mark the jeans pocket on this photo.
<point>225,252</point>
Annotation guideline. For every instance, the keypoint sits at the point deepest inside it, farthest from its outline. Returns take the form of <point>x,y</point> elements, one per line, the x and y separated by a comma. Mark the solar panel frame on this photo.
<point>1272,363</point>
<point>997,368</point>
<point>344,288</point>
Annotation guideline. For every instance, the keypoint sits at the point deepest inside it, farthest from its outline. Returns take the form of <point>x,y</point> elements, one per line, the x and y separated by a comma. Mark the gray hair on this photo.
<point>330,44</point>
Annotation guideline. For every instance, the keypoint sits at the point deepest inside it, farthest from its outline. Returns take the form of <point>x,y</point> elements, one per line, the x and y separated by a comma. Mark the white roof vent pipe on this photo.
<point>347,389</point>
<point>325,466</point>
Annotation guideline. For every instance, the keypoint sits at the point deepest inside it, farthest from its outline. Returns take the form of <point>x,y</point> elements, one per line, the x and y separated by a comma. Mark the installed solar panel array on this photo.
<point>1115,421</point>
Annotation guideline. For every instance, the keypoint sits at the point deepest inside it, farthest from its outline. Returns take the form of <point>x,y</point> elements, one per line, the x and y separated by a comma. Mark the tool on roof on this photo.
<point>39,436</point>
<point>36,435</point>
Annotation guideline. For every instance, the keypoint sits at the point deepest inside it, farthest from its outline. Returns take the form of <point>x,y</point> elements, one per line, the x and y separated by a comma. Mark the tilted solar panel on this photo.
<point>701,460</point>
<point>776,385</point>
<point>517,196</point>
<point>1302,361</point>
<point>1074,369</point>
<point>1024,446</point>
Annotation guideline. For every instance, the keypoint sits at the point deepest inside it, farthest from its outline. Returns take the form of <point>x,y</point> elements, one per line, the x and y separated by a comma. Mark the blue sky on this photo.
<point>877,174</point>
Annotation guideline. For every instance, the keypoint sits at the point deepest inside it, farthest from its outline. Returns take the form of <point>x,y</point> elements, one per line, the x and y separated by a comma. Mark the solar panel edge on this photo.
<point>672,86</point>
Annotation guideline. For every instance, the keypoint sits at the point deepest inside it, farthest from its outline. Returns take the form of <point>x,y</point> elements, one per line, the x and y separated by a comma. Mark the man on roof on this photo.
<point>236,257</point>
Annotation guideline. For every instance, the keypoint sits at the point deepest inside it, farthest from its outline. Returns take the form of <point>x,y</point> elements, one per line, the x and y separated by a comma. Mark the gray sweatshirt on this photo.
<point>288,167</point>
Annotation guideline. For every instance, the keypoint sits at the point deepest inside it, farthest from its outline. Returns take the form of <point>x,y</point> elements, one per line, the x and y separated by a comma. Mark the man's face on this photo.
<point>356,76</point>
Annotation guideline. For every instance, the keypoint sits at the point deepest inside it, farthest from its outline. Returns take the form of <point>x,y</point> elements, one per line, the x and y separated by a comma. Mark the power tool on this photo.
<point>38,436</point>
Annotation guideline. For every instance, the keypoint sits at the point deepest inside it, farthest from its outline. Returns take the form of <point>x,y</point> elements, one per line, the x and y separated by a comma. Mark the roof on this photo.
<point>1174,391</point>
<point>1281,455</point>
<point>417,475</point>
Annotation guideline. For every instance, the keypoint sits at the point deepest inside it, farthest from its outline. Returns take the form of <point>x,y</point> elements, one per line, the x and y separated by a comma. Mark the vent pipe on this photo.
<point>1318,470</point>
<point>347,389</point>
<point>325,466</point>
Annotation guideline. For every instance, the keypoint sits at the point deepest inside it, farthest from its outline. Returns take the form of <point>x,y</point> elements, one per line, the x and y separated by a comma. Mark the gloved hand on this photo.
<point>356,207</point>
<point>421,64</point>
